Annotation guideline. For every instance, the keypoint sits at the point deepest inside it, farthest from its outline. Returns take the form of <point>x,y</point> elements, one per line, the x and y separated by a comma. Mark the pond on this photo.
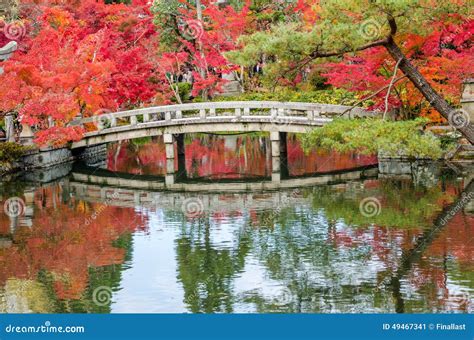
<point>371,244</point>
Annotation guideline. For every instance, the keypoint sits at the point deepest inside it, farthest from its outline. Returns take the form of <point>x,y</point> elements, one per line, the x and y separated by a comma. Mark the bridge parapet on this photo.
<point>217,112</point>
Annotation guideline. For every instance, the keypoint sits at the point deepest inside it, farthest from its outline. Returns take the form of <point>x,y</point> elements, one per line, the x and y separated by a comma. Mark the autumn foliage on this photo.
<point>83,58</point>
<point>445,58</point>
<point>79,59</point>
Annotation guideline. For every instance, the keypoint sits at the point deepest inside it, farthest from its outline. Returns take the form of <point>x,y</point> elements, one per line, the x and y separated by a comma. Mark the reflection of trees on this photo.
<point>414,255</point>
<point>317,275</point>
<point>207,272</point>
<point>401,203</point>
<point>326,265</point>
<point>67,251</point>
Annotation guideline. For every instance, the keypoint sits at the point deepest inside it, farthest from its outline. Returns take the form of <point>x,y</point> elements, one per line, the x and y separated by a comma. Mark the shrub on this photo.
<point>370,136</point>
<point>11,152</point>
<point>332,96</point>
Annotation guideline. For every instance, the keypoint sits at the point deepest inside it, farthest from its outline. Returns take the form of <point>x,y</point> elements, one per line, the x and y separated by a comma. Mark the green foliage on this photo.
<point>184,90</point>
<point>333,96</point>
<point>369,136</point>
<point>166,13</point>
<point>11,152</point>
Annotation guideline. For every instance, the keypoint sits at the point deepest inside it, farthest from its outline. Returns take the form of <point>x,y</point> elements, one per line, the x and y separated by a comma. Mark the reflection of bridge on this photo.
<point>126,192</point>
<point>130,186</point>
<point>173,121</point>
<point>111,189</point>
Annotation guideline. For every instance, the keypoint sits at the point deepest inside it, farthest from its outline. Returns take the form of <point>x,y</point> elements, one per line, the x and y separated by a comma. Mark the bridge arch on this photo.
<point>173,121</point>
<point>252,116</point>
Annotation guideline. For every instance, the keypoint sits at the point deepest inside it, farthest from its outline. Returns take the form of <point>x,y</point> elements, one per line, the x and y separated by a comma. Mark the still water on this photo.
<point>367,245</point>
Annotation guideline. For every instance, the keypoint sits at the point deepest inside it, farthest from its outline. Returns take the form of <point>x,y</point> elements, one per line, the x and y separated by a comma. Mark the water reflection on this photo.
<point>302,250</point>
<point>226,157</point>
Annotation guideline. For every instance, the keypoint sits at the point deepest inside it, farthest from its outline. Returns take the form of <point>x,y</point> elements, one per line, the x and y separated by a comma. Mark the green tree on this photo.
<point>347,26</point>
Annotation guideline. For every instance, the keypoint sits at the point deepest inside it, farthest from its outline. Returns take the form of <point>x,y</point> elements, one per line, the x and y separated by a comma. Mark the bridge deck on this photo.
<point>212,117</point>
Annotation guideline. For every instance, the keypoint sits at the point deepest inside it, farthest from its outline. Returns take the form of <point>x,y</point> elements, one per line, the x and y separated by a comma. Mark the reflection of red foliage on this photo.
<point>66,242</point>
<point>148,159</point>
<point>457,240</point>
<point>322,161</point>
<point>229,157</point>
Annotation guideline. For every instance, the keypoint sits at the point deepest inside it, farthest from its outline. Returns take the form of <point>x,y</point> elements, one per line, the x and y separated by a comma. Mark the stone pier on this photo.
<point>279,156</point>
<point>173,174</point>
<point>170,177</point>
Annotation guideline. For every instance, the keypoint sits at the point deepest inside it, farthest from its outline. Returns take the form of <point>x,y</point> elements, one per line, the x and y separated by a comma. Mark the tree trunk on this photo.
<point>202,71</point>
<point>428,92</point>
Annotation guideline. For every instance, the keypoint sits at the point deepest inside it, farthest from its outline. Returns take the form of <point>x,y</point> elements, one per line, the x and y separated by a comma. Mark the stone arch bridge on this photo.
<point>173,121</point>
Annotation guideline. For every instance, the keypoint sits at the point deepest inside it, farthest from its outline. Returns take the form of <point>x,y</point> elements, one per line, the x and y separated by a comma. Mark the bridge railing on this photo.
<point>303,112</point>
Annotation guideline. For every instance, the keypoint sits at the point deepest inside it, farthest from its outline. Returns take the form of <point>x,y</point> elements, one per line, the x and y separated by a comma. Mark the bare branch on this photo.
<point>390,87</point>
<point>372,95</point>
